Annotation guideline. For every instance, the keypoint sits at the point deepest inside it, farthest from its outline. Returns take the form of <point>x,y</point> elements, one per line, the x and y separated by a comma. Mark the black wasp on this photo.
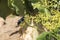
<point>20,20</point>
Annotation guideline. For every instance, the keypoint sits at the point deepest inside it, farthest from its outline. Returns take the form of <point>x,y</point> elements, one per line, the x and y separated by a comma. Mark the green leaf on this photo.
<point>42,36</point>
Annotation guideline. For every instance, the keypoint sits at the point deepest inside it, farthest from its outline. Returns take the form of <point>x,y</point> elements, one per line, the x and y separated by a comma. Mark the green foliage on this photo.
<point>49,17</point>
<point>54,35</point>
<point>16,5</point>
<point>46,36</point>
<point>43,36</point>
<point>57,33</point>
